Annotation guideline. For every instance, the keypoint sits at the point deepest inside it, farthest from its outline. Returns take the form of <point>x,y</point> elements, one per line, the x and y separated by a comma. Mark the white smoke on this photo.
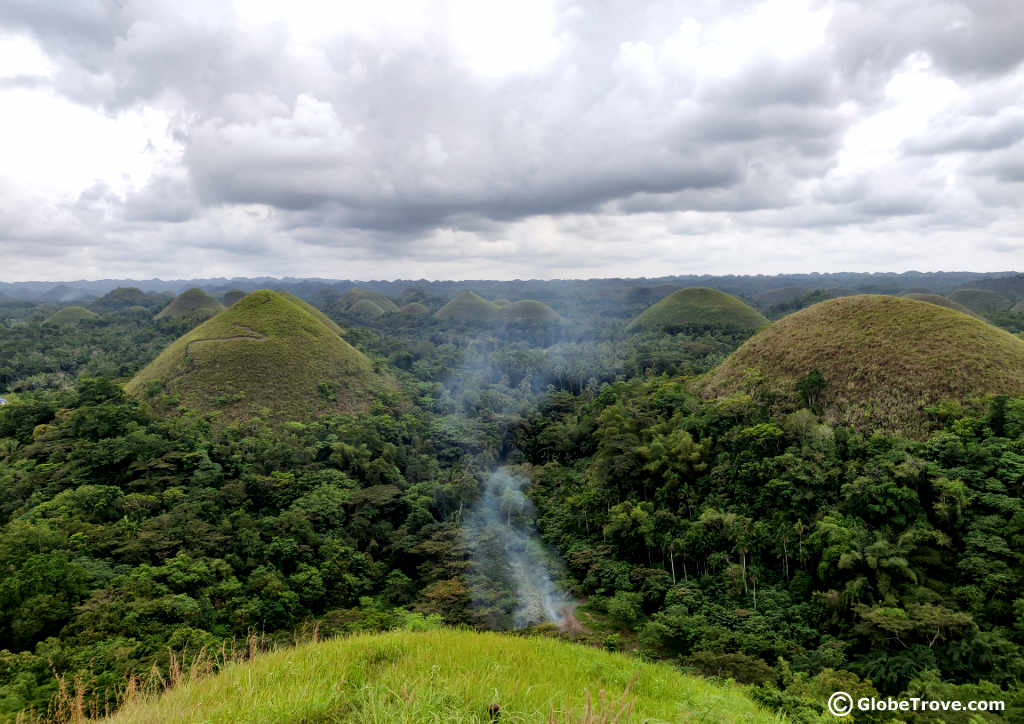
<point>510,570</point>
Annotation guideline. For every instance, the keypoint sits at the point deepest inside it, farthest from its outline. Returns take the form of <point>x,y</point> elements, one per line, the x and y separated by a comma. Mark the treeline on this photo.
<point>788,554</point>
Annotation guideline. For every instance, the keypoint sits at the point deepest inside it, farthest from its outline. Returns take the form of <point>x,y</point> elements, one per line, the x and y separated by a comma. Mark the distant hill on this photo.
<point>123,297</point>
<point>194,303</point>
<point>883,360</point>
<point>446,676</point>
<point>942,302</point>
<point>1018,308</point>
<point>266,351</point>
<point>468,307</point>
<point>413,309</point>
<point>698,307</point>
<point>71,315</point>
<point>1008,286</point>
<point>771,297</point>
<point>353,296</point>
<point>232,296</point>
<point>527,310</point>
<point>366,309</point>
<point>982,301</point>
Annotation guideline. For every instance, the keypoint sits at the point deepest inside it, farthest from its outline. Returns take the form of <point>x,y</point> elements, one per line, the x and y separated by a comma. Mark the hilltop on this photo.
<point>366,309</point>
<point>444,675</point>
<point>266,351</point>
<point>468,307</point>
<point>194,303</point>
<point>527,310</point>
<point>327,321</point>
<point>71,315</point>
<point>698,307</point>
<point>883,359</point>
<point>353,296</point>
<point>942,302</point>
<point>231,296</point>
<point>982,301</point>
<point>413,309</point>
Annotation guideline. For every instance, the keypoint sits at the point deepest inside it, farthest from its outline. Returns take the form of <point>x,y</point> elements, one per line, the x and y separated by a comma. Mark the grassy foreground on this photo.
<point>444,676</point>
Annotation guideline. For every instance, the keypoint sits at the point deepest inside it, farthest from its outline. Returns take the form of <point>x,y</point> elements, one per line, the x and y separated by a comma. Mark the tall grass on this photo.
<point>437,676</point>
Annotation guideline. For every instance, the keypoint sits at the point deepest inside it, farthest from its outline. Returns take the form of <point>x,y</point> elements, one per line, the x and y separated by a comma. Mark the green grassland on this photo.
<point>353,296</point>
<point>192,303</point>
<point>942,302</point>
<point>445,676</point>
<point>265,353</point>
<point>982,301</point>
<point>698,307</point>
<point>232,296</point>
<point>884,360</point>
<point>71,315</point>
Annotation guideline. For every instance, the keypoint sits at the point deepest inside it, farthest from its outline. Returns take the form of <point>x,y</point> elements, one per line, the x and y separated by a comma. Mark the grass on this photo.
<point>192,303</point>
<point>327,321</point>
<point>413,309</point>
<point>468,307</point>
<point>266,356</point>
<point>528,309</point>
<point>366,309</point>
<point>353,296</point>
<point>982,301</point>
<point>942,302</point>
<point>884,359</point>
<point>71,315</point>
<point>445,676</point>
<point>698,307</point>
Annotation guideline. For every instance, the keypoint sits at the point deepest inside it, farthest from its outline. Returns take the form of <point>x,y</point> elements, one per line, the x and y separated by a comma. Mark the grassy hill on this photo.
<point>527,310</point>
<point>71,315</point>
<point>982,301</point>
<point>1018,308</point>
<point>884,359</point>
<point>444,676</point>
<point>266,351</point>
<point>123,297</point>
<point>192,303</point>
<point>941,301</point>
<point>468,307</point>
<point>366,309</point>
<point>698,307</point>
<point>413,309</point>
<point>327,321</point>
<point>353,296</point>
<point>232,296</point>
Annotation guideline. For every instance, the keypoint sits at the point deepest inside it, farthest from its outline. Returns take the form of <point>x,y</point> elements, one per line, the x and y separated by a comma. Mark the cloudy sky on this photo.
<point>469,139</point>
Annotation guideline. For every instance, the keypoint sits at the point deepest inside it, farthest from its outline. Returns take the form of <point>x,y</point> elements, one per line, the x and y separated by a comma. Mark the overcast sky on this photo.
<point>467,139</point>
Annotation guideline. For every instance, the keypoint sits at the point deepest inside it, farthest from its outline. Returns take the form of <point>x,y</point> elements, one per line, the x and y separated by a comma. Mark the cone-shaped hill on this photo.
<point>71,315</point>
<point>982,301</point>
<point>528,310</point>
<point>194,303</point>
<point>468,307</point>
<point>266,351</point>
<point>883,360</point>
<point>366,309</point>
<point>941,301</point>
<point>413,309</point>
<point>232,296</point>
<point>331,324</point>
<point>353,296</point>
<point>697,307</point>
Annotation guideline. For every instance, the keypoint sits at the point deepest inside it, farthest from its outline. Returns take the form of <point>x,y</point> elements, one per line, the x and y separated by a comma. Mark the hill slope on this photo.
<point>265,351</point>
<point>353,296</point>
<point>442,676</point>
<point>982,301</point>
<point>192,303</point>
<point>413,309</point>
<point>527,310</point>
<point>366,309</point>
<point>468,307</point>
<point>330,323</point>
<point>698,307</point>
<point>71,315</point>
<point>883,359</point>
<point>942,302</point>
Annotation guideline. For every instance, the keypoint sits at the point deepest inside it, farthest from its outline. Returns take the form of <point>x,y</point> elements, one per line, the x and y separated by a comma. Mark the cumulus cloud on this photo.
<point>543,138</point>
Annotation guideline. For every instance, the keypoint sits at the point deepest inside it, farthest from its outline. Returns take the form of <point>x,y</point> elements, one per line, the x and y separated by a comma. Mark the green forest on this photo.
<point>799,523</point>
